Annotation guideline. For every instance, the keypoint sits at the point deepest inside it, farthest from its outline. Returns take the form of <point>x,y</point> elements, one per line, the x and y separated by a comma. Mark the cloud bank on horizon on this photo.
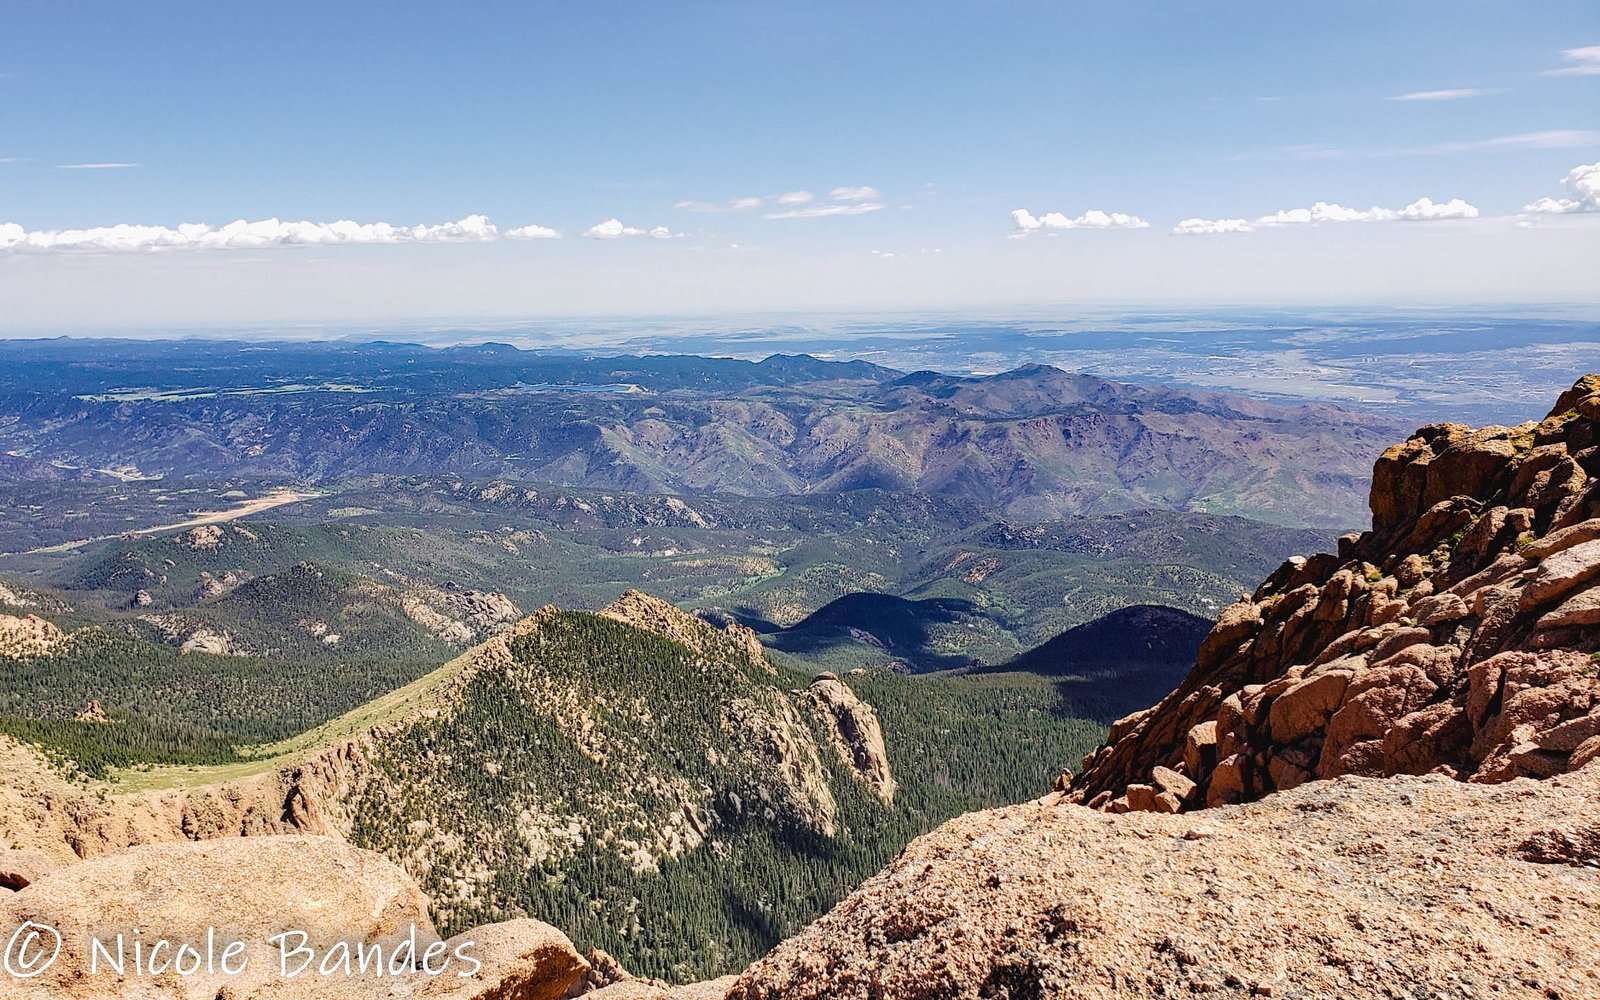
<point>752,164</point>
<point>1421,210</point>
<point>1582,184</point>
<point>242,235</point>
<point>1026,222</point>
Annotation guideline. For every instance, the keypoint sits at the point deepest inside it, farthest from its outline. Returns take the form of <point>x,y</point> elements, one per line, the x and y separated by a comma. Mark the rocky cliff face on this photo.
<point>1458,635</point>
<point>853,729</point>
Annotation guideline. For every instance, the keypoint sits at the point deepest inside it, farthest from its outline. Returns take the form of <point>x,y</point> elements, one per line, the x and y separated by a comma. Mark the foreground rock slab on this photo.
<point>1352,888</point>
<point>716,989</point>
<point>331,899</point>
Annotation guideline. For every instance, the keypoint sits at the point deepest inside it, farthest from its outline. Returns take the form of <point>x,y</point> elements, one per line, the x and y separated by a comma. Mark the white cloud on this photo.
<point>95,166</point>
<point>1444,95</point>
<point>613,229</point>
<point>1318,213</point>
<point>1585,60</point>
<point>1421,210</point>
<point>796,198</point>
<point>863,193</point>
<point>1026,222</point>
<point>471,228</point>
<point>1322,211</point>
<point>734,205</point>
<point>1428,210</point>
<point>1212,227</point>
<point>240,235</point>
<point>533,233</point>
<point>1583,183</point>
<point>823,211</point>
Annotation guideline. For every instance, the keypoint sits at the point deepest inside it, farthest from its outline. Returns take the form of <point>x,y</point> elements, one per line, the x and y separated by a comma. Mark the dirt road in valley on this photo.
<point>245,508</point>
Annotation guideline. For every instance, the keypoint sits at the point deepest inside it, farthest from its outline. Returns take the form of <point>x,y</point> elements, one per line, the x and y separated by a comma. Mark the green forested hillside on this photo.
<point>685,811</point>
<point>669,793</point>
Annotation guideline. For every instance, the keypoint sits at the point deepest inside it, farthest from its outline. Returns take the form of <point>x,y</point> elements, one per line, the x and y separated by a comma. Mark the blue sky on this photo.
<point>916,129</point>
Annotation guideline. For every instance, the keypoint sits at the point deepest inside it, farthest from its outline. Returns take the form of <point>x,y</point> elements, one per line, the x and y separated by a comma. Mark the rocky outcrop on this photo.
<point>206,536</point>
<point>789,783</point>
<point>853,729</point>
<point>519,960</point>
<point>29,637</point>
<point>486,611</point>
<point>455,616</point>
<point>1354,888</point>
<point>440,625</point>
<point>19,869</point>
<point>16,596</point>
<point>652,614</point>
<point>340,906</point>
<point>1459,634</point>
<point>41,811</point>
<point>192,635</point>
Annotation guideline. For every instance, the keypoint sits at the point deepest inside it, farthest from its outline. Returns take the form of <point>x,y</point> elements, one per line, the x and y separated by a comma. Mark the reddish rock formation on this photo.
<point>1459,634</point>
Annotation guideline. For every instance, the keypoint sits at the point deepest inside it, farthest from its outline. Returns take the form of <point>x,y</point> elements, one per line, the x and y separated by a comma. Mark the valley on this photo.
<point>196,519</point>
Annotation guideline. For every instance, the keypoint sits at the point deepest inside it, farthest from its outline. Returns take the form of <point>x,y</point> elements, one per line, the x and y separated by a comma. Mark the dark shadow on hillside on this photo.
<point>896,627</point>
<point>1119,663</point>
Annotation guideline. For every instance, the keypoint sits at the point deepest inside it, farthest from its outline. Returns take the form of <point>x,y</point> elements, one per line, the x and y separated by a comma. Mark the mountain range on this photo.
<point>1035,443</point>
